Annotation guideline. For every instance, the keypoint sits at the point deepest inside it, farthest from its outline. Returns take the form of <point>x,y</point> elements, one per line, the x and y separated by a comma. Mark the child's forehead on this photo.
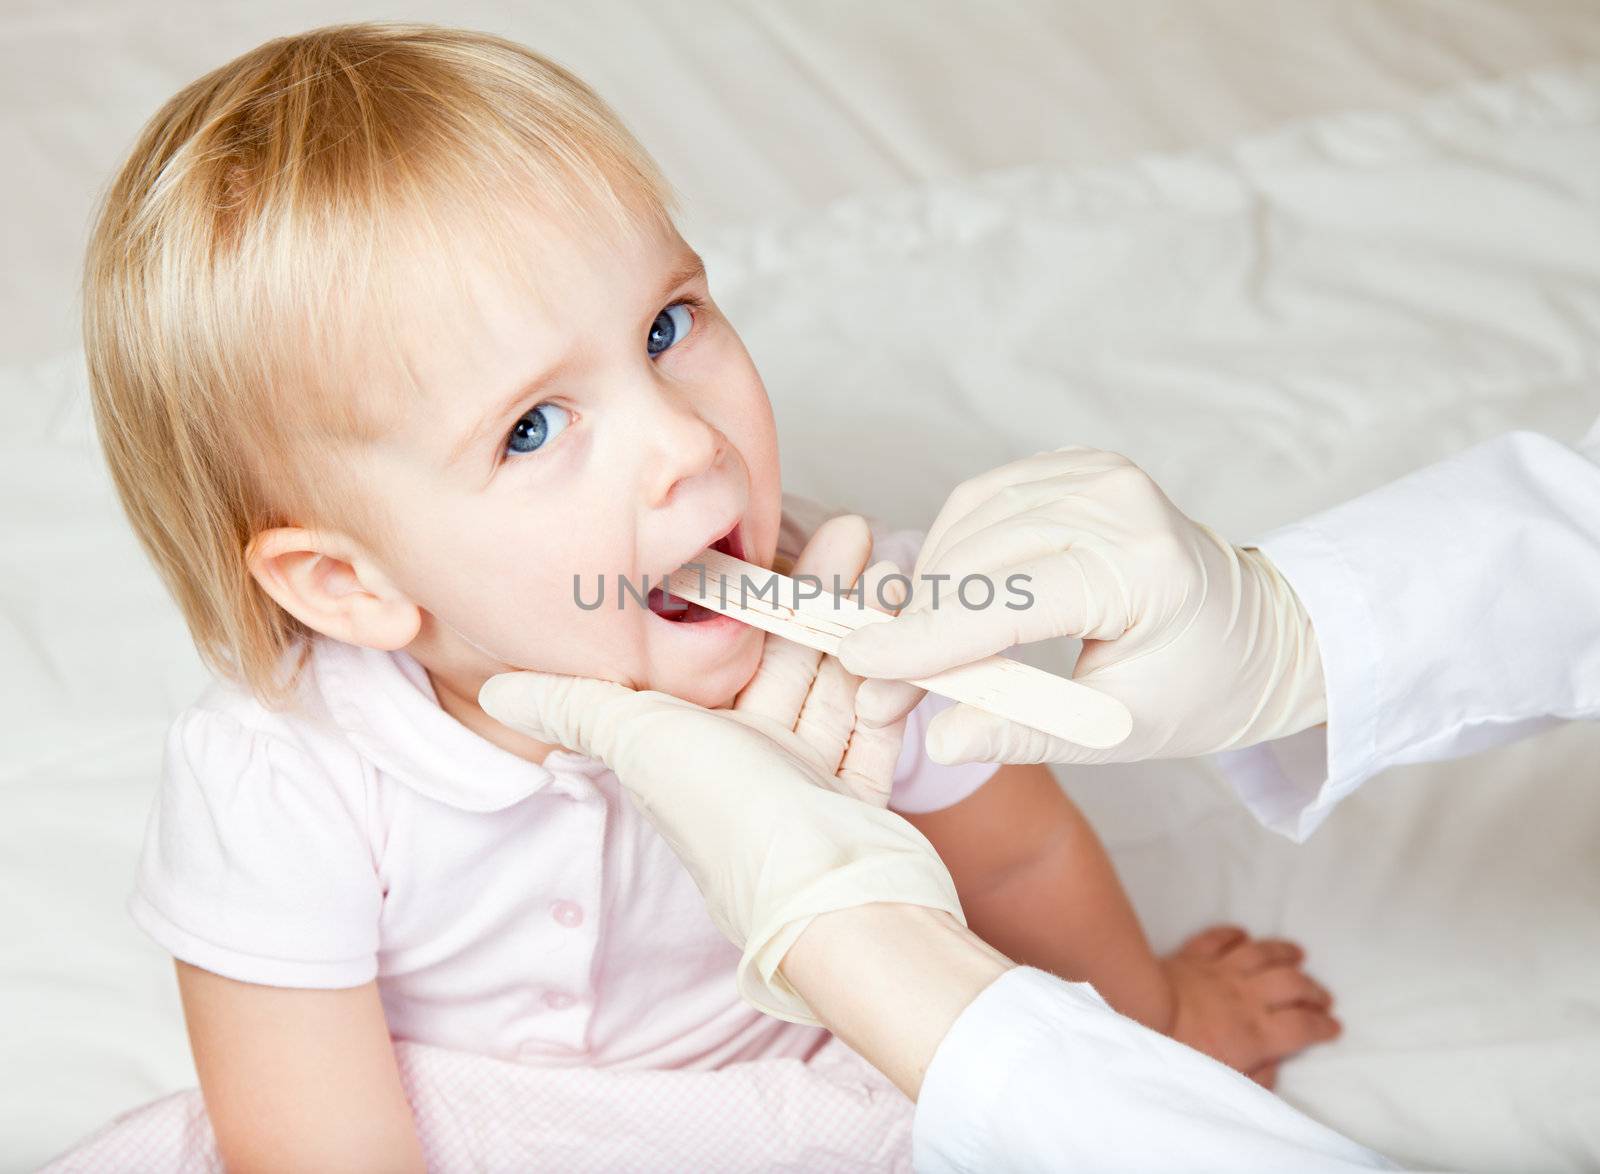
<point>473,275</point>
<point>465,318</point>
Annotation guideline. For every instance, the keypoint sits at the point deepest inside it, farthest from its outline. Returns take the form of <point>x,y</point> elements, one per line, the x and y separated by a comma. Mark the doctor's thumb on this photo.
<point>924,642</point>
<point>577,713</point>
<point>963,734</point>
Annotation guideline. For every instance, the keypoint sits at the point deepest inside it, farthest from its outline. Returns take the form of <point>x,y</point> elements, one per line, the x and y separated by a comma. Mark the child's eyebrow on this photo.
<point>690,268</point>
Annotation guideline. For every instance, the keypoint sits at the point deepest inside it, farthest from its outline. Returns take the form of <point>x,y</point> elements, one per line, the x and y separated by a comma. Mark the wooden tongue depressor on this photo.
<point>996,684</point>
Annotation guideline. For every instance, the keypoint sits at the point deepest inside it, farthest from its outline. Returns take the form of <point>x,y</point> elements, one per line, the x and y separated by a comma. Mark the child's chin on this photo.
<point>713,687</point>
<point>706,698</point>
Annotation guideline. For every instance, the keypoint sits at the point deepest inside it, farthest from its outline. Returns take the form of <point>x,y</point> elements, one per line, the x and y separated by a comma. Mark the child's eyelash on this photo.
<point>697,306</point>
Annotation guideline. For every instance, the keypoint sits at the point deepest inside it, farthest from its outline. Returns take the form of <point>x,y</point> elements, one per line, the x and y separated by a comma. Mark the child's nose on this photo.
<point>680,444</point>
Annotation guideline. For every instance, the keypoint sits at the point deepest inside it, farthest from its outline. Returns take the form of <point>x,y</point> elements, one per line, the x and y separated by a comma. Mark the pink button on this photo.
<point>558,1000</point>
<point>567,913</point>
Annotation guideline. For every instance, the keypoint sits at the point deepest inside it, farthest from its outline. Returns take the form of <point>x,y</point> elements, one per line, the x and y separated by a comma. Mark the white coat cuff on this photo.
<point>965,1117</point>
<point>1454,610</point>
<point>1041,1074</point>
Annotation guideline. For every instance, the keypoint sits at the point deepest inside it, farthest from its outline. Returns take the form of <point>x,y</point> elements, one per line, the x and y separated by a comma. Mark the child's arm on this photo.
<point>298,1079</point>
<point>1036,884</point>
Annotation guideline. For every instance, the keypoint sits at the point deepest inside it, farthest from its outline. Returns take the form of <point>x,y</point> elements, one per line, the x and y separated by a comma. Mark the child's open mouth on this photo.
<point>675,610</point>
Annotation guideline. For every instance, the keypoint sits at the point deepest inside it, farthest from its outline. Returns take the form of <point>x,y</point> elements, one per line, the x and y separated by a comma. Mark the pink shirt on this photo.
<point>506,908</point>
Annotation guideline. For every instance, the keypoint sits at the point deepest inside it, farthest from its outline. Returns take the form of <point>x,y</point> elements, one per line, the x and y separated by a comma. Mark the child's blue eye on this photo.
<point>539,425</point>
<point>671,325</point>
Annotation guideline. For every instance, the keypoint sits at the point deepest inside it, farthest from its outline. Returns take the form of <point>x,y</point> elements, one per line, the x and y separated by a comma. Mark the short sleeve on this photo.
<point>257,864</point>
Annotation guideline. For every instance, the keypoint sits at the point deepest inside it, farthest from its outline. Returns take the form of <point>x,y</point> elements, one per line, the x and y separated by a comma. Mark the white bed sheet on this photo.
<point>1408,262</point>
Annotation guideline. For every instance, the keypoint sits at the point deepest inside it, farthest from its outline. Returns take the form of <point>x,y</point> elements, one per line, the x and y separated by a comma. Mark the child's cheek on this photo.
<point>577,623</point>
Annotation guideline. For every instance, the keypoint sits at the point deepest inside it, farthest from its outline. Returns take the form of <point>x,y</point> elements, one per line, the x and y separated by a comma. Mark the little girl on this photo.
<point>392,343</point>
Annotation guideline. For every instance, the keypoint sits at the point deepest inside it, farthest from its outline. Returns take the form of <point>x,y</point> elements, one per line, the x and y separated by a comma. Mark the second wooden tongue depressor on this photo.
<point>996,684</point>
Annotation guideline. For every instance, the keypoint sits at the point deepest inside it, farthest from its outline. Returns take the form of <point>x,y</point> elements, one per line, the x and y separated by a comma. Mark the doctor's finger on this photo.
<point>781,681</point>
<point>1039,600</point>
<point>974,491</point>
<point>867,771</point>
<point>778,689</point>
<point>582,714</point>
<point>881,701</point>
<point>964,734</point>
<point>829,712</point>
<point>1024,521</point>
<point>873,752</point>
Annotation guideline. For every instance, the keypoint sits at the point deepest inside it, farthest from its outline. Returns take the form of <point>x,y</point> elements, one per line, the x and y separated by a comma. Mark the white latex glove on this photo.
<point>775,806</point>
<point>1205,643</point>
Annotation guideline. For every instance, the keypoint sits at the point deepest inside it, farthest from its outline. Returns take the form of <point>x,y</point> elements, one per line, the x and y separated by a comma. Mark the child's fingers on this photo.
<point>1293,1029</point>
<point>1256,956</point>
<point>1214,942</point>
<point>1284,986</point>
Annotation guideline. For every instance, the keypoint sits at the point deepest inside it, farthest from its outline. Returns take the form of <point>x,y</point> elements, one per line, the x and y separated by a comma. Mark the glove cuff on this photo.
<point>909,877</point>
<point>1296,694</point>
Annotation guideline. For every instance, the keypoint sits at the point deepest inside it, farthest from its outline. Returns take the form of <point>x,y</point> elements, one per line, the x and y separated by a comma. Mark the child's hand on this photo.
<point>1246,1001</point>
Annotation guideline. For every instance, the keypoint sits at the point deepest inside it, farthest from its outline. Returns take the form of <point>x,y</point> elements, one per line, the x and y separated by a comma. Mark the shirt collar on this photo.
<point>386,705</point>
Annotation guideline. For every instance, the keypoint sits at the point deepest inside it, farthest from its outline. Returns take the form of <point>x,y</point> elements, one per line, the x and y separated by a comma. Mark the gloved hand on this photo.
<point>775,806</point>
<point>1205,643</point>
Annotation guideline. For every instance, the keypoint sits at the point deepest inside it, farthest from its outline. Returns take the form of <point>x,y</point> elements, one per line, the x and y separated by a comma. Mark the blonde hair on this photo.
<point>264,209</point>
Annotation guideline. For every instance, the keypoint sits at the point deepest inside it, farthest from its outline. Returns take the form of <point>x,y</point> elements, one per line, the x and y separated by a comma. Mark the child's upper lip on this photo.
<point>717,534</point>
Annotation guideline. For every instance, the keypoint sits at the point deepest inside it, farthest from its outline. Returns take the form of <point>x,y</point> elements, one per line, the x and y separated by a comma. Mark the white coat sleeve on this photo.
<point>1454,609</point>
<point>1040,1074</point>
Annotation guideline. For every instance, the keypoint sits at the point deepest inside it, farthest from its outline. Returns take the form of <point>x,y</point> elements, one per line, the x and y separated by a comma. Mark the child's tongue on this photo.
<point>679,611</point>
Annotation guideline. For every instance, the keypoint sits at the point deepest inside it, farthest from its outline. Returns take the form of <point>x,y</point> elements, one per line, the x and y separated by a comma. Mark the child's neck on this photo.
<point>460,701</point>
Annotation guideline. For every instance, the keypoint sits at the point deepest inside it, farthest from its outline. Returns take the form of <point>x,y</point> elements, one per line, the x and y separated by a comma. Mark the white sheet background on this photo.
<point>1277,253</point>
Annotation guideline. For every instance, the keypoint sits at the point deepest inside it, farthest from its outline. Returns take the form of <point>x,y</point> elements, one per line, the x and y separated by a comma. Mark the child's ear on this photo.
<point>324,581</point>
